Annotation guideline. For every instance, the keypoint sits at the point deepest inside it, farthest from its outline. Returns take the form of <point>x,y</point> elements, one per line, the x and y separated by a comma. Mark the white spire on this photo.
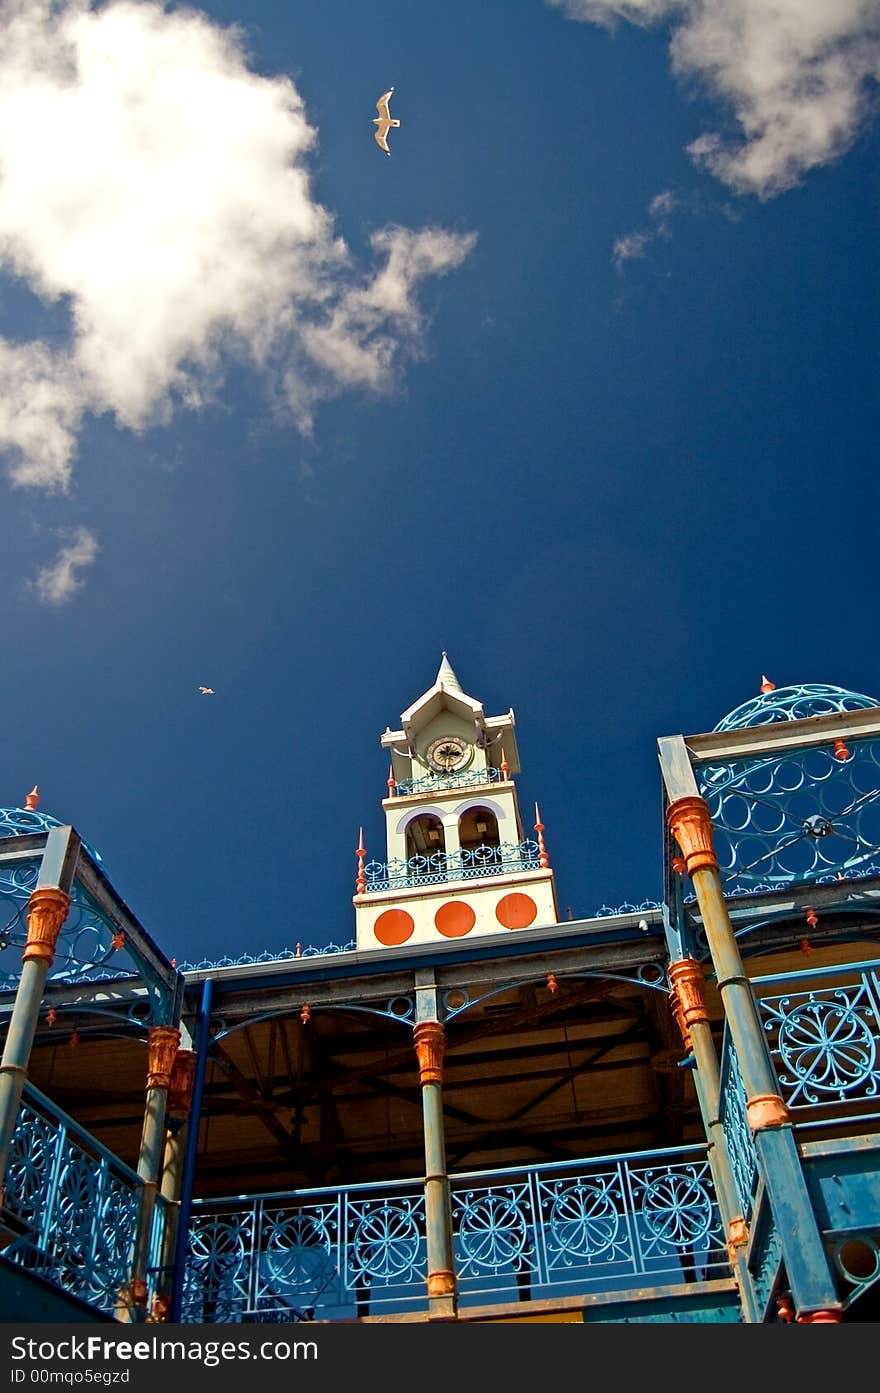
<point>447,677</point>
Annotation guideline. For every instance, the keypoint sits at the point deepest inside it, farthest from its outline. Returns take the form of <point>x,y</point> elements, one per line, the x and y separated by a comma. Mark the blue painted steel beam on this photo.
<point>203,1037</point>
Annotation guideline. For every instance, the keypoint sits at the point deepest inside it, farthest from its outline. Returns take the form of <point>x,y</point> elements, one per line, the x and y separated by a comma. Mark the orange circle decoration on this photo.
<point>516,911</point>
<point>454,919</point>
<point>393,927</point>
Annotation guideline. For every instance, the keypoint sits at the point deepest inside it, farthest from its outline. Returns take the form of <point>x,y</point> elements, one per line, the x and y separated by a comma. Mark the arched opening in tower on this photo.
<point>478,827</point>
<point>424,836</point>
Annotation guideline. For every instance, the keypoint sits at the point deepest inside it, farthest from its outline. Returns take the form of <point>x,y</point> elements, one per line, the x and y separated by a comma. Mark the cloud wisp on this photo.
<point>58,582</point>
<point>633,245</point>
<point>155,189</point>
<point>799,77</point>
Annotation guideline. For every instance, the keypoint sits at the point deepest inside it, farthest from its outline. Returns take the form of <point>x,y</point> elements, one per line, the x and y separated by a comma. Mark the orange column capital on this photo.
<point>162,1042</point>
<point>688,979</point>
<point>47,911</point>
<point>430,1041</point>
<point>689,821</point>
<point>180,1086</point>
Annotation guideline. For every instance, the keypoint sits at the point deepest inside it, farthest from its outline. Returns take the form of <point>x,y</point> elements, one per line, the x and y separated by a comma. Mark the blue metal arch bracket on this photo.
<point>400,1009</point>
<point>650,975</point>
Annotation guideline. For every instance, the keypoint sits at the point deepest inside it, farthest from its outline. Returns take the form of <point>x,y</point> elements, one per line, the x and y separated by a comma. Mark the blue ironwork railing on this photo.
<point>442,866</point>
<point>735,1124</point>
<point>75,1203</point>
<point>266,956</point>
<point>566,1228</point>
<point>823,1032</point>
<point>824,1035</point>
<point>434,783</point>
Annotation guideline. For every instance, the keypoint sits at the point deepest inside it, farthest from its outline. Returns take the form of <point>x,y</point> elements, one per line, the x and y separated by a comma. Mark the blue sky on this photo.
<point>580,384</point>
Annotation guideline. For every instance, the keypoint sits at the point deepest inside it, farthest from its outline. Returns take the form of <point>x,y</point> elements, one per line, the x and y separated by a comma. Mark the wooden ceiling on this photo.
<point>529,1076</point>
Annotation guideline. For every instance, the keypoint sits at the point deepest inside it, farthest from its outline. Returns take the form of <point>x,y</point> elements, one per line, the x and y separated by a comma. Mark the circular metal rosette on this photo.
<point>297,1253</point>
<point>217,1250</point>
<point>386,1243</point>
<point>584,1219</point>
<point>828,1047</point>
<point>493,1232</point>
<point>677,1209</point>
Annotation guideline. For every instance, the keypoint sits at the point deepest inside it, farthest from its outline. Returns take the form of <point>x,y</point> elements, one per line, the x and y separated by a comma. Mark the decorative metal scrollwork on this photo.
<point>88,946</point>
<point>826,1041</point>
<point>298,1247</point>
<point>737,1133</point>
<point>217,1271</point>
<point>386,1240</point>
<point>805,815</point>
<point>585,1218</point>
<point>464,778</point>
<point>676,1208</point>
<point>492,1230</point>
<point>443,866</point>
<point>794,703</point>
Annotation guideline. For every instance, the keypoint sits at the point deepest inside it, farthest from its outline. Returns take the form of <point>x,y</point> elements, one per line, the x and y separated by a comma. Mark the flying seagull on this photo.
<point>384,121</point>
<point>207,691</point>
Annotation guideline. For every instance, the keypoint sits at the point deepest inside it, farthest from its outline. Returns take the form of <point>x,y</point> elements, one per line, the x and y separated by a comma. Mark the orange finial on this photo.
<point>767,685</point>
<point>552,984</point>
<point>840,750</point>
<point>360,852</point>
<point>33,798</point>
<point>543,858</point>
<point>119,940</point>
<point>505,767</point>
<point>305,1014</point>
<point>391,781</point>
<point>298,951</point>
<point>74,1039</point>
<point>805,946</point>
<point>811,916</point>
<point>51,1015</point>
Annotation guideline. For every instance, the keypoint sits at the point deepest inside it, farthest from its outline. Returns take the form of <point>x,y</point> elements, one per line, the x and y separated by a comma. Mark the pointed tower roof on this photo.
<point>446,677</point>
<point>447,693</point>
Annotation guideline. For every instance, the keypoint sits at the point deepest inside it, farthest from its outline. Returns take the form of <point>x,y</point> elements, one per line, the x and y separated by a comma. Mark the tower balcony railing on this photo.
<point>442,866</point>
<point>617,1222</point>
<point>435,783</point>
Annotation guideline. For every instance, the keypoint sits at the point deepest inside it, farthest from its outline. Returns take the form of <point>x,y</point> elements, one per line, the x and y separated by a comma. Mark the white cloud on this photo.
<point>634,245</point>
<point>56,583</point>
<point>798,76</point>
<point>630,247</point>
<point>155,188</point>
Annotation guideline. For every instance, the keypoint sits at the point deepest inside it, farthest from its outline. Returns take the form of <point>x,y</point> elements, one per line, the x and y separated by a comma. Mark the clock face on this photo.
<point>448,753</point>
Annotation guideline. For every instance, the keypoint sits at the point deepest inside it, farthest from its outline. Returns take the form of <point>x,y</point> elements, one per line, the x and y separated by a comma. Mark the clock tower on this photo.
<point>459,863</point>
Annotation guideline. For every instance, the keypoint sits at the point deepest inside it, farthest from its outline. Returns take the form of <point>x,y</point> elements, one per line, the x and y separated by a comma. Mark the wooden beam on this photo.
<point>263,1108</point>
<point>255,1063</point>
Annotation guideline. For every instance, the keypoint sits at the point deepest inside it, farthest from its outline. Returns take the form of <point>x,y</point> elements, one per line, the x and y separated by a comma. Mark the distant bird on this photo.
<point>207,691</point>
<point>384,121</point>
